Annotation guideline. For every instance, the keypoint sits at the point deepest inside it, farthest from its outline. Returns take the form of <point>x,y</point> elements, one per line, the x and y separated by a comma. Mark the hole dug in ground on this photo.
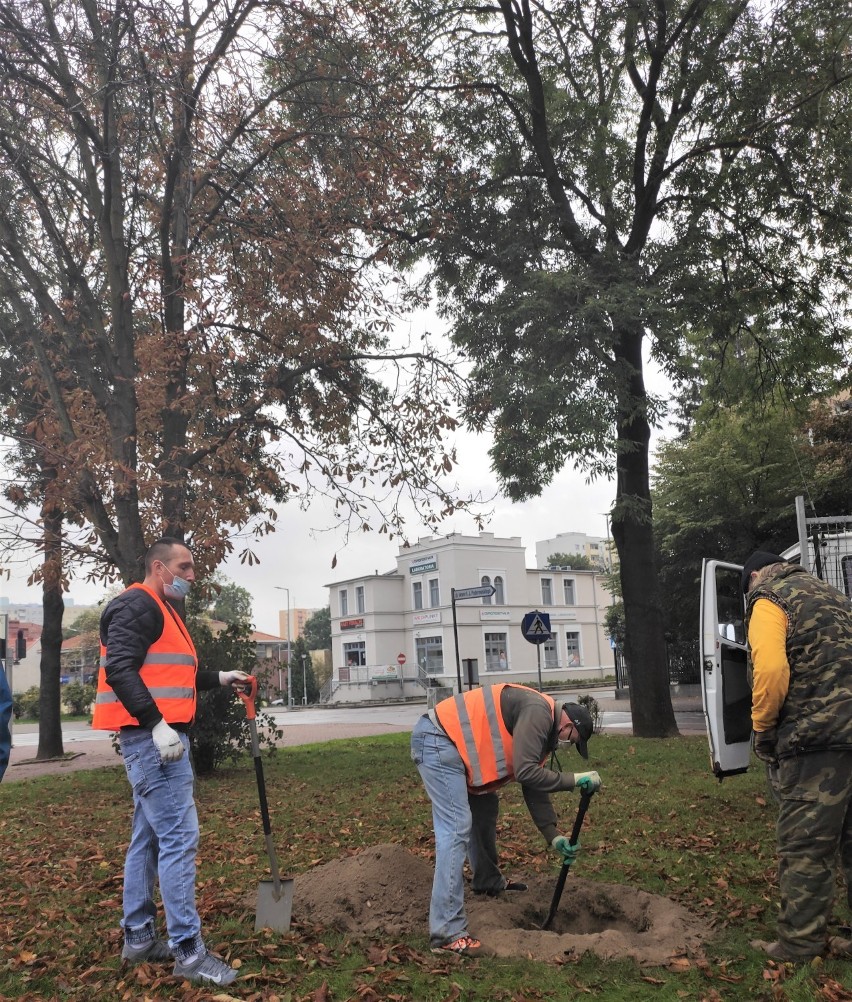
<point>600,911</point>
<point>385,890</point>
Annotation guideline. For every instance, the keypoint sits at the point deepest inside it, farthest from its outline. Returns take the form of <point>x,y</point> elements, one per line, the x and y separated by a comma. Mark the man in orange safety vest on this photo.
<point>465,749</point>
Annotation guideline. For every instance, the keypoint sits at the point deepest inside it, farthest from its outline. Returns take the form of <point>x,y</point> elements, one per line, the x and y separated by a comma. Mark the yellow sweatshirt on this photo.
<point>767,638</point>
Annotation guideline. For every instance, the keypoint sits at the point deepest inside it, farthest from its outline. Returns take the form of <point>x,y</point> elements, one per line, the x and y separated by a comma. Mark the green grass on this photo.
<point>661,823</point>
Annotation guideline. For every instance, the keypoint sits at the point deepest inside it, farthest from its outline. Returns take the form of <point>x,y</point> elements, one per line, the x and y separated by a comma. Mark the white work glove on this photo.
<point>587,782</point>
<point>232,678</point>
<point>167,741</point>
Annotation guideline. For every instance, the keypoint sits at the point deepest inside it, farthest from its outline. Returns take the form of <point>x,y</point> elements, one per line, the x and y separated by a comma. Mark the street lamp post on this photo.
<point>304,682</point>
<point>289,675</point>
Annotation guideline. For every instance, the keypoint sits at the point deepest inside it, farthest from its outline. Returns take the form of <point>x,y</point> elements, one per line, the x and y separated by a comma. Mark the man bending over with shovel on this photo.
<point>147,686</point>
<point>465,749</point>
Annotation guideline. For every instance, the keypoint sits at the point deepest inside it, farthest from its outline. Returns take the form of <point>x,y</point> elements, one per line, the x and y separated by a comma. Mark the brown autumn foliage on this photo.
<point>197,310</point>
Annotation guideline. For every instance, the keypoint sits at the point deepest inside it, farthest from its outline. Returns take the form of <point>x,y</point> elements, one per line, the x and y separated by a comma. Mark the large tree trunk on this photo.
<point>49,704</point>
<point>632,529</point>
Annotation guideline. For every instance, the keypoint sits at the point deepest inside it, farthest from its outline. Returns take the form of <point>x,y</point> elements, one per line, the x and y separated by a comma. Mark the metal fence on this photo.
<point>682,659</point>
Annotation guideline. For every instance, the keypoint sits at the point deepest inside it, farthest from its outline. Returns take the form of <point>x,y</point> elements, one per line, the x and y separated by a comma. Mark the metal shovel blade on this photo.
<point>274,912</point>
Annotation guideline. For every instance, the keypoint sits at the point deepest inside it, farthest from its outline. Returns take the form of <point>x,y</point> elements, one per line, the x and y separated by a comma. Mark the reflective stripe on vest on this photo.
<point>167,658</point>
<point>168,671</point>
<point>108,696</point>
<point>474,723</point>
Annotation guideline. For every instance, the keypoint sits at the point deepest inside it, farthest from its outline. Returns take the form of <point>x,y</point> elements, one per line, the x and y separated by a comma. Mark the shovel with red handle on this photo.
<point>274,897</point>
<point>585,800</point>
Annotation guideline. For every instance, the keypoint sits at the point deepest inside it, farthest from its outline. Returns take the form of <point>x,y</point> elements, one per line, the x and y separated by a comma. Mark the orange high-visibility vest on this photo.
<point>168,671</point>
<point>474,723</point>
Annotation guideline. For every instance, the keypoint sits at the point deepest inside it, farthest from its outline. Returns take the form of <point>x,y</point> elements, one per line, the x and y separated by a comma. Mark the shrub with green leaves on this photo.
<point>591,704</point>
<point>221,731</point>
<point>78,698</point>
<point>25,704</point>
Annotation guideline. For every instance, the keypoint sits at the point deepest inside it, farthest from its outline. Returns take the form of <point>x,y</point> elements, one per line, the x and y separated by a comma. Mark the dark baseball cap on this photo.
<point>758,559</point>
<point>582,720</point>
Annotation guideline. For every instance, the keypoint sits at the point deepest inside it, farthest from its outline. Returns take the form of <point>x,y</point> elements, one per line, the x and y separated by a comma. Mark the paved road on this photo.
<point>305,726</point>
<point>327,720</point>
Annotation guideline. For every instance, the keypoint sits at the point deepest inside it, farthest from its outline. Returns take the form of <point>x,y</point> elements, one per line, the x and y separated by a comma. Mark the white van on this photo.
<point>725,677</point>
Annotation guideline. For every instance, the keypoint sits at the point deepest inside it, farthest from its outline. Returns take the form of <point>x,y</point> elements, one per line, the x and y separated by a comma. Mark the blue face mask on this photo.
<point>178,588</point>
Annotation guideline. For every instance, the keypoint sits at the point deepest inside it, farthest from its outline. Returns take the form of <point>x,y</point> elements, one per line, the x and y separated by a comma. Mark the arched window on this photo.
<point>485,582</point>
<point>499,595</point>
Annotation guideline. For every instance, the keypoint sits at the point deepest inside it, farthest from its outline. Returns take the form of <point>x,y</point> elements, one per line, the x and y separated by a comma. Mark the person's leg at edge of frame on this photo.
<point>443,775</point>
<point>484,863</point>
<point>814,803</point>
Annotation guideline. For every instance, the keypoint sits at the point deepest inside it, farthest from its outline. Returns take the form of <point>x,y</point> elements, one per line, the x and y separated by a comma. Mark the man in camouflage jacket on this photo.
<point>800,638</point>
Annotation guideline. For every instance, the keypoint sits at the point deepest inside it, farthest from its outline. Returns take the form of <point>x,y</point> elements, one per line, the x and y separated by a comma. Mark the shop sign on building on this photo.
<point>351,624</point>
<point>486,615</point>
<point>422,618</point>
<point>421,565</point>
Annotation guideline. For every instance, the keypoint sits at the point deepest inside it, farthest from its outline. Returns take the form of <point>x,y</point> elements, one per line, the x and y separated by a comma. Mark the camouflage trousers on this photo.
<point>814,837</point>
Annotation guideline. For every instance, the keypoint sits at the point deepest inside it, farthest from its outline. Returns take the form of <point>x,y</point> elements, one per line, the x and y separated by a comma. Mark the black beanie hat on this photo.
<point>758,559</point>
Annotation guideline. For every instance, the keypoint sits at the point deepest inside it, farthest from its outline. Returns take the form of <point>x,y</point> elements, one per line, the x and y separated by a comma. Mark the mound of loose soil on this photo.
<point>386,889</point>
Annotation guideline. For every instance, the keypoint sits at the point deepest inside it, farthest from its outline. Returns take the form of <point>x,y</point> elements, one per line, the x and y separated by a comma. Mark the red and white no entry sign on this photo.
<point>400,659</point>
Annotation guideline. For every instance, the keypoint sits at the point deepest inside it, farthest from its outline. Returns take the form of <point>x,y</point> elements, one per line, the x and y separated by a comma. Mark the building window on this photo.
<point>499,595</point>
<point>417,594</point>
<point>430,654</point>
<point>359,598</point>
<point>550,652</point>
<point>568,586</point>
<point>343,595</point>
<point>547,591</point>
<point>485,581</point>
<point>495,652</point>
<point>355,654</point>
<point>434,593</point>
<point>572,649</point>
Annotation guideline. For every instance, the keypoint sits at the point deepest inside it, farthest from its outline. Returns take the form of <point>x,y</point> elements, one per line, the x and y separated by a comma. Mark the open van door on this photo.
<point>725,685</point>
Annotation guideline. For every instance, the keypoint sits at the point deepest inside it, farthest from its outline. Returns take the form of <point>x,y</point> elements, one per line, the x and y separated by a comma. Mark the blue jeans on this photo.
<point>443,774</point>
<point>163,842</point>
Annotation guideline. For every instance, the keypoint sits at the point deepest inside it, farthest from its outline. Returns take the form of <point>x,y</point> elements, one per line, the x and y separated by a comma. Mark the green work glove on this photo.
<point>588,782</point>
<point>569,852</point>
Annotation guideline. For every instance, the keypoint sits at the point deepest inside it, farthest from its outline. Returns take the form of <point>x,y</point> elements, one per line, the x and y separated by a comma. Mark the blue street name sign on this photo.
<point>535,627</point>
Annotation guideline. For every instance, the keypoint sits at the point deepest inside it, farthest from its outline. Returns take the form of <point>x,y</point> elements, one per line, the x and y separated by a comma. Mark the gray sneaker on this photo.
<point>207,968</point>
<point>154,949</point>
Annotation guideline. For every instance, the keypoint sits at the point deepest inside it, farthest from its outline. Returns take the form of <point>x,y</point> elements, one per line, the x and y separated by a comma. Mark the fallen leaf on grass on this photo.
<point>832,991</point>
